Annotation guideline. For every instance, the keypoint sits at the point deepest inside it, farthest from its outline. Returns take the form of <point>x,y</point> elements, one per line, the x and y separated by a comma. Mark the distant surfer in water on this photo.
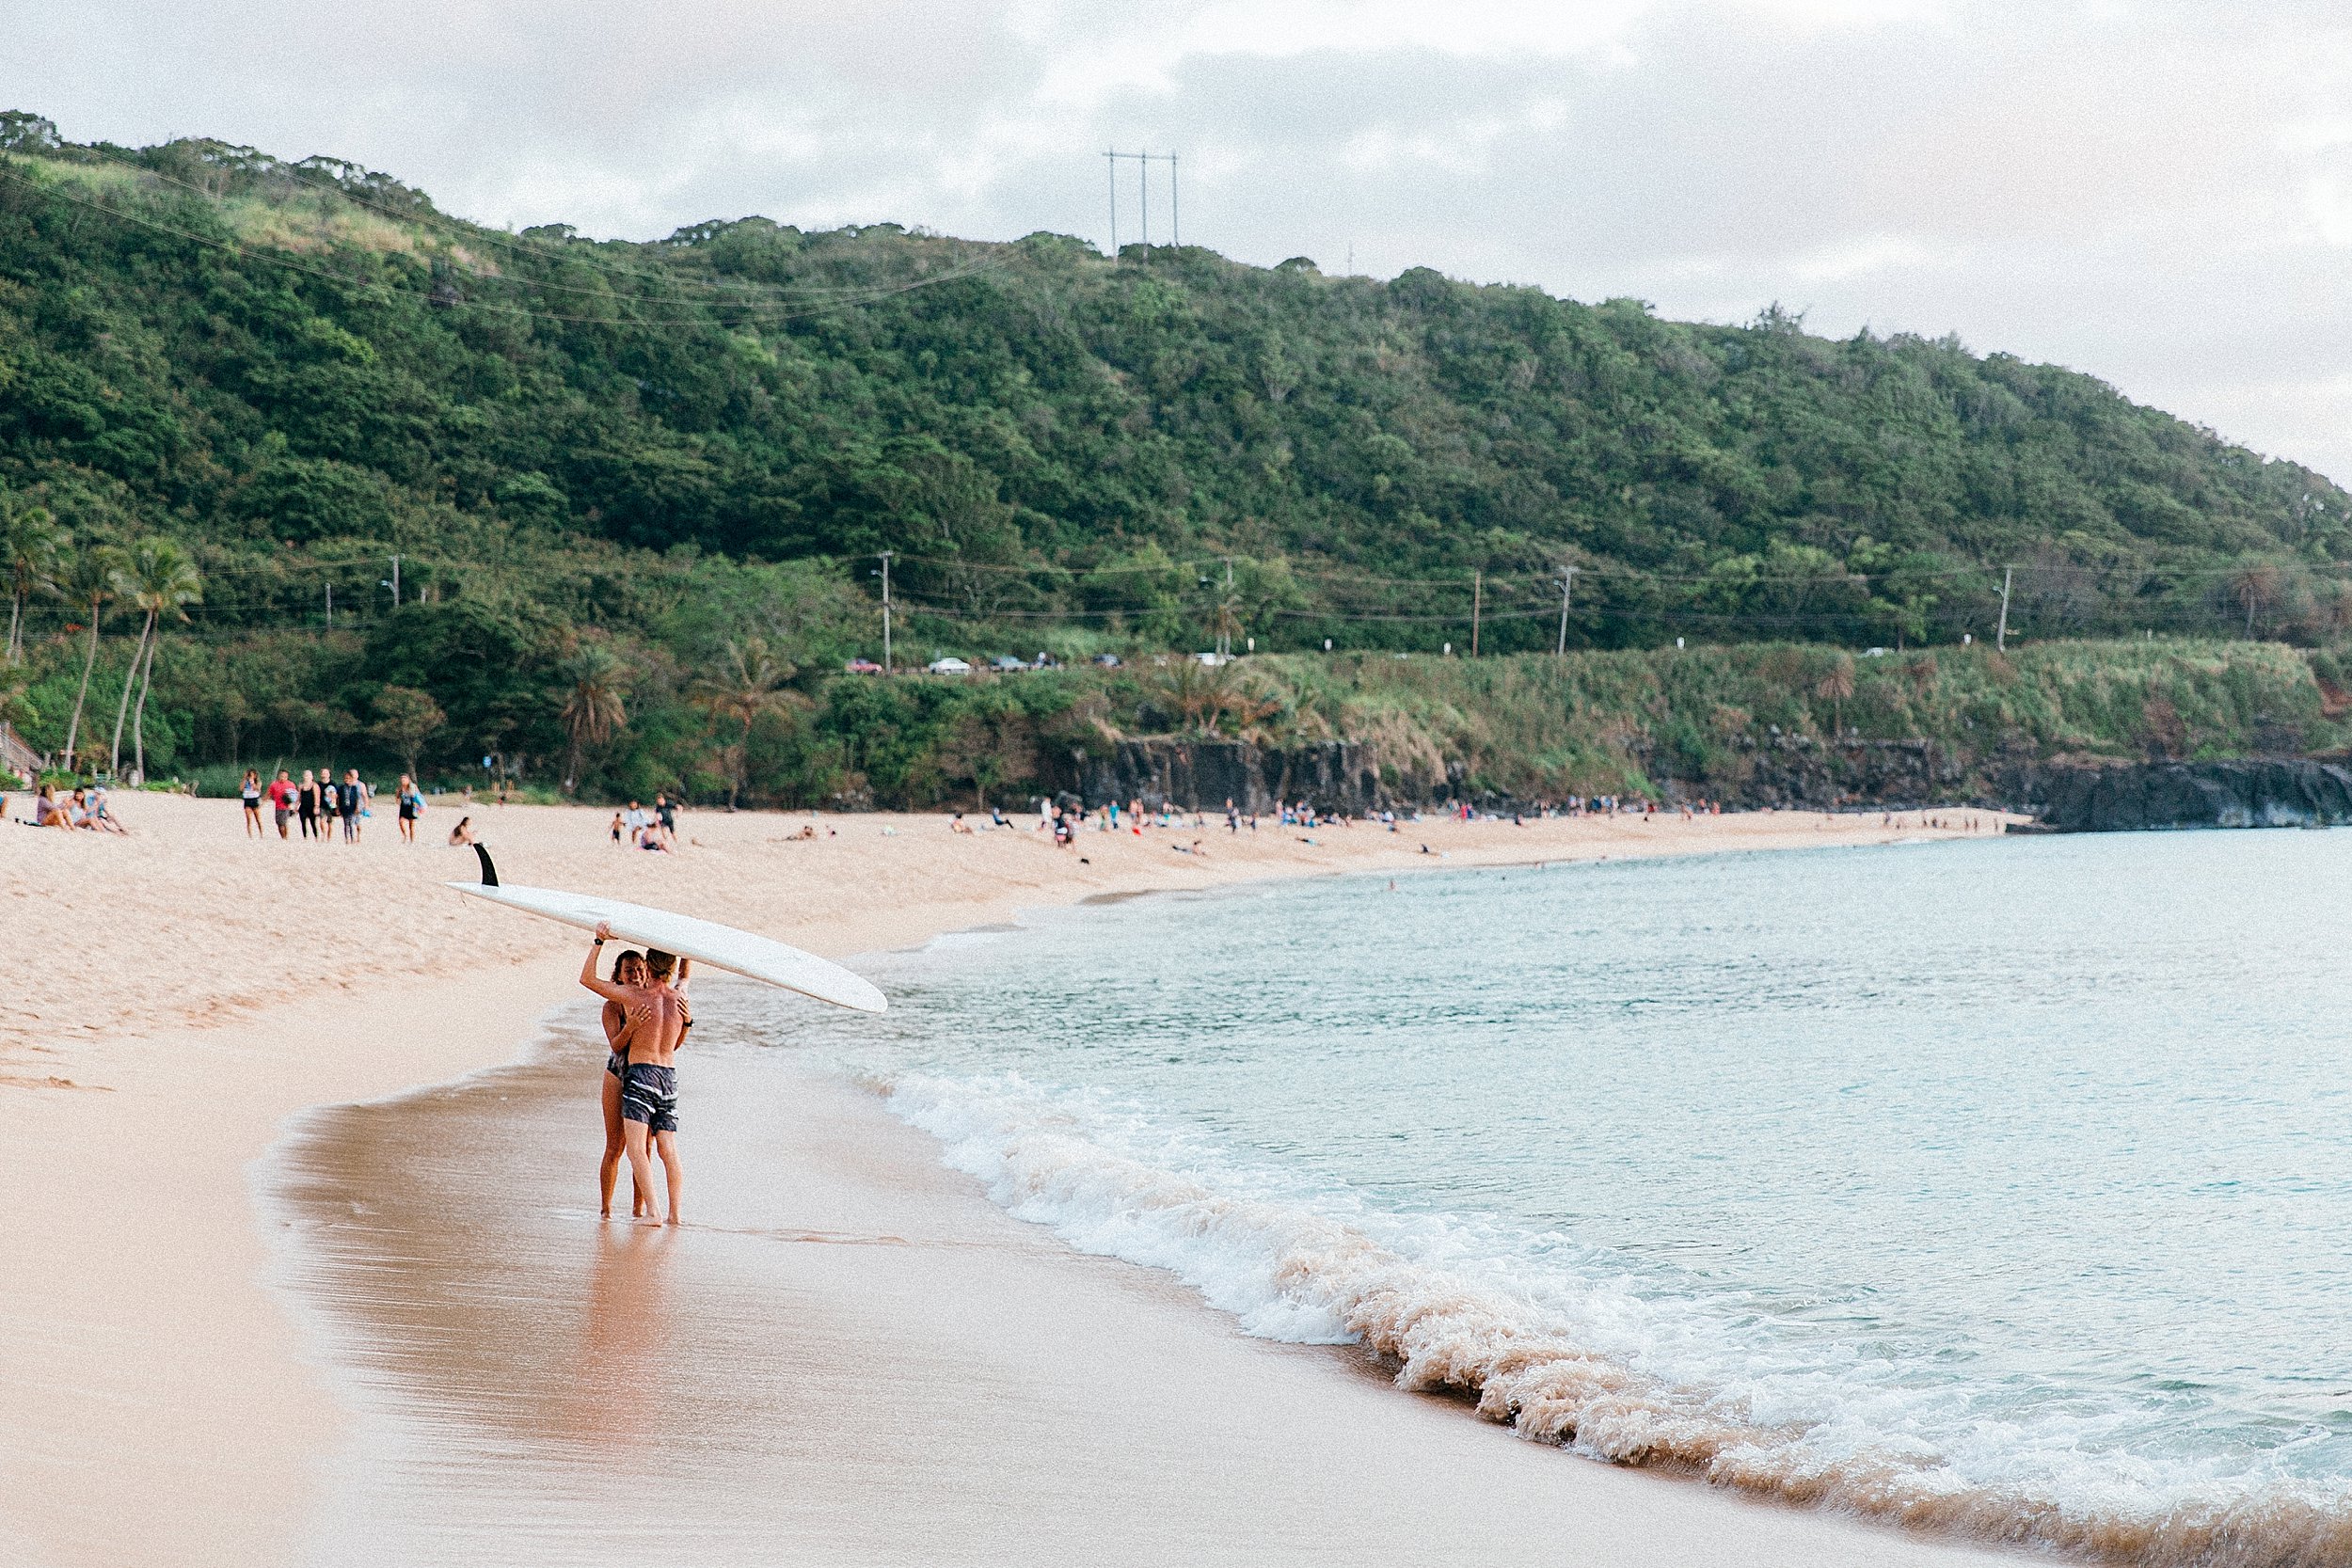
<point>656,1021</point>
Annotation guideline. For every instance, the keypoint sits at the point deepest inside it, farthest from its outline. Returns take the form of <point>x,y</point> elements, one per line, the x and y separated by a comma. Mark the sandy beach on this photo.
<point>161,1400</point>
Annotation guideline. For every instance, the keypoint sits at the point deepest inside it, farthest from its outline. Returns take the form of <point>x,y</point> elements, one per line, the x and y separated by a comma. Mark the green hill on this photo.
<point>600,463</point>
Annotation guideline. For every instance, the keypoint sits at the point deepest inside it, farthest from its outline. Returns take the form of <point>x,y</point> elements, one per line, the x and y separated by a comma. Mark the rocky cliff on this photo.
<point>1201,774</point>
<point>2261,792</point>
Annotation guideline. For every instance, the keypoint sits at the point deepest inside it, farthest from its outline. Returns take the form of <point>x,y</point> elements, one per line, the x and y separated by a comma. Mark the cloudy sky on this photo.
<point>2157,193</point>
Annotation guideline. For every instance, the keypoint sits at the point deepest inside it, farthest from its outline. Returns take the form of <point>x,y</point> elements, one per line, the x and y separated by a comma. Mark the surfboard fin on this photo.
<point>490,872</point>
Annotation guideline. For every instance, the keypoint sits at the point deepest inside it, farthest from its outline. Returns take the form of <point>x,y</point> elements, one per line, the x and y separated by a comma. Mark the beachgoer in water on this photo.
<point>628,970</point>
<point>252,793</point>
<point>657,1021</point>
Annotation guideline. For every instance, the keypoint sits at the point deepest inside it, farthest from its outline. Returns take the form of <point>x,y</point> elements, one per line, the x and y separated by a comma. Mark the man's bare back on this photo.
<point>656,1021</point>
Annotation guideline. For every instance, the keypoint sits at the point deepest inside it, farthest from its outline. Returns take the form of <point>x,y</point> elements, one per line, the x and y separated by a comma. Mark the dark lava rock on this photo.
<point>2261,792</point>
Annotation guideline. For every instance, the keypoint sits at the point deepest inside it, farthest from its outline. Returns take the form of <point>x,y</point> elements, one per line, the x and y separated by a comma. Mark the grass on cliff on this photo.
<point>1533,725</point>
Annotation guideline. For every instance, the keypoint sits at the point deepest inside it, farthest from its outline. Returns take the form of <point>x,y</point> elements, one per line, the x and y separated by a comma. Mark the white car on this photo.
<point>949,666</point>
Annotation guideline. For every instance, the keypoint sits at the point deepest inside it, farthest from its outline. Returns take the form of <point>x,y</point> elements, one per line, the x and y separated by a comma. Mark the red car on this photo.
<point>862,667</point>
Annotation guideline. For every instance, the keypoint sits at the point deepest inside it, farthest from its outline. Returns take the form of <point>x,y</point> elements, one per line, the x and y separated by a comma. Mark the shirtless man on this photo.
<point>656,1021</point>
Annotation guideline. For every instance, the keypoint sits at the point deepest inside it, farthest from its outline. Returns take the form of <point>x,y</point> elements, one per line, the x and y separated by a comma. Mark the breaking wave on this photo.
<point>1565,1345</point>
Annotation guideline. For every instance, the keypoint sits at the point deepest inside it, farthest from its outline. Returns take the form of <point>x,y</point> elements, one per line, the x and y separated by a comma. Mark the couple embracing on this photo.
<point>645,1020</point>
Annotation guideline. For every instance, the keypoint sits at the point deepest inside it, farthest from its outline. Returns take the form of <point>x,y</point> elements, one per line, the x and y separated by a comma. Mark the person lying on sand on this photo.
<point>657,1021</point>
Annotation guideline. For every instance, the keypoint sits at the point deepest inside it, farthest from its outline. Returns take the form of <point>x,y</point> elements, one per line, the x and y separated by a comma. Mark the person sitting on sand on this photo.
<point>48,813</point>
<point>461,835</point>
<point>657,1021</point>
<point>98,819</point>
<point>959,825</point>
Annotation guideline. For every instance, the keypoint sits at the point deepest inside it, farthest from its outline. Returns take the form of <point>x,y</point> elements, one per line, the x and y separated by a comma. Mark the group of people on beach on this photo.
<point>646,1019</point>
<point>641,829</point>
<point>319,802</point>
<point>85,808</point>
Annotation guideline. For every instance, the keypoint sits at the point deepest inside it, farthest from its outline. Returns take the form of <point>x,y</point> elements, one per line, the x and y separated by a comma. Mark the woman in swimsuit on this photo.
<point>411,802</point>
<point>251,791</point>
<point>628,970</point>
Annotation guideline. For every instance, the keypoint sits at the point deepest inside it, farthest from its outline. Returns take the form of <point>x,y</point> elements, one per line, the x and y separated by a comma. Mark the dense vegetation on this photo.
<point>636,491</point>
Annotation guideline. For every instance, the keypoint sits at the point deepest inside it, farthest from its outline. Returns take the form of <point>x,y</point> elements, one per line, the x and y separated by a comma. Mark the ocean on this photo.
<point>1997,1185</point>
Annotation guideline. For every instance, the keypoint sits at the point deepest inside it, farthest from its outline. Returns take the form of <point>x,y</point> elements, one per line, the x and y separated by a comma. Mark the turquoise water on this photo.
<point>2000,1184</point>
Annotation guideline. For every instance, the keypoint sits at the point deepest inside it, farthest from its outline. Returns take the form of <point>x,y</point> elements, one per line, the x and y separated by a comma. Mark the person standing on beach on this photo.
<point>348,801</point>
<point>306,804</point>
<point>328,804</point>
<point>252,793</point>
<point>628,970</point>
<point>657,1022</point>
<point>411,802</point>
<point>281,800</point>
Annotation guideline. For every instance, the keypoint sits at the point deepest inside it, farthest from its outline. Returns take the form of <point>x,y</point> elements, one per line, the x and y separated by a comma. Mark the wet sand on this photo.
<point>158,1403</point>
<point>851,1357</point>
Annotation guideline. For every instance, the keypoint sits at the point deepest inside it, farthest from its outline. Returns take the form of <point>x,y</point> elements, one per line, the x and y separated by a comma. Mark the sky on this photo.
<point>2159,193</point>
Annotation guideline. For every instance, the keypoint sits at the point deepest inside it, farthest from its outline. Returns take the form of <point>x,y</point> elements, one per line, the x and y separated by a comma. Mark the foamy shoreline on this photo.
<point>158,1403</point>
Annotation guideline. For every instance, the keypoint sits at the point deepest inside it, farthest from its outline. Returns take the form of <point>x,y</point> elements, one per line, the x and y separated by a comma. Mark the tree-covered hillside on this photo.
<point>602,464</point>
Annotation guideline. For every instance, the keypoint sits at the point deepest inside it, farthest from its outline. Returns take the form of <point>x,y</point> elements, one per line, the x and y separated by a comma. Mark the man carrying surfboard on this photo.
<point>656,1021</point>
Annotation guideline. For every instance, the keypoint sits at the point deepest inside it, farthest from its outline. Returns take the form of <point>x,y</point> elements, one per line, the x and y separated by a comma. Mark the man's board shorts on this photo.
<point>282,814</point>
<point>649,1094</point>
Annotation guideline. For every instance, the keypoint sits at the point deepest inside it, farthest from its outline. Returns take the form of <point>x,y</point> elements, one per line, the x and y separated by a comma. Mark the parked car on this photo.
<point>1006,662</point>
<point>862,667</point>
<point>951,665</point>
<point>1108,661</point>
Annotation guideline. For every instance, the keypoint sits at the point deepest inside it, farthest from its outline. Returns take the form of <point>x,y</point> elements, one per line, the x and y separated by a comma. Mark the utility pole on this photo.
<point>330,607</point>
<point>886,570</point>
<point>1567,586</point>
<point>1478,602</point>
<point>1225,616</point>
<point>2000,638</point>
<point>395,581</point>
<point>1143,162</point>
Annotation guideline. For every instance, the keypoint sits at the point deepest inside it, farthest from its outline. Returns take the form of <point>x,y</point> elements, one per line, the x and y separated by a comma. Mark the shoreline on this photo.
<point>132,1433</point>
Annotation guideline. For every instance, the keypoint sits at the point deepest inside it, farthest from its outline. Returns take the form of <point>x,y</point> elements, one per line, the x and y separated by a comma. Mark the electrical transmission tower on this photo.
<point>1143,162</point>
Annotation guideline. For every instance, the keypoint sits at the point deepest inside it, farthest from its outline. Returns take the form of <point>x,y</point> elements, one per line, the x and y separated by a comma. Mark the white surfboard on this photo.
<point>705,941</point>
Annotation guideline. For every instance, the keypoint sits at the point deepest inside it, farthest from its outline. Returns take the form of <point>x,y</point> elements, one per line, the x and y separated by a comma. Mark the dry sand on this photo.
<point>190,990</point>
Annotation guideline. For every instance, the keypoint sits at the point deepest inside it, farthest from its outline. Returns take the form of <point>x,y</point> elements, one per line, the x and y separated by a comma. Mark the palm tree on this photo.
<point>159,580</point>
<point>29,546</point>
<point>748,683</point>
<point>595,703</point>
<point>88,583</point>
<point>1836,686</point>
<point>2254,587</point>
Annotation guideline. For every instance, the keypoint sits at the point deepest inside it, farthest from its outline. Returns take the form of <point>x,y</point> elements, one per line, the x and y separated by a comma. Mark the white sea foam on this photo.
<point>1565,1347</point>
